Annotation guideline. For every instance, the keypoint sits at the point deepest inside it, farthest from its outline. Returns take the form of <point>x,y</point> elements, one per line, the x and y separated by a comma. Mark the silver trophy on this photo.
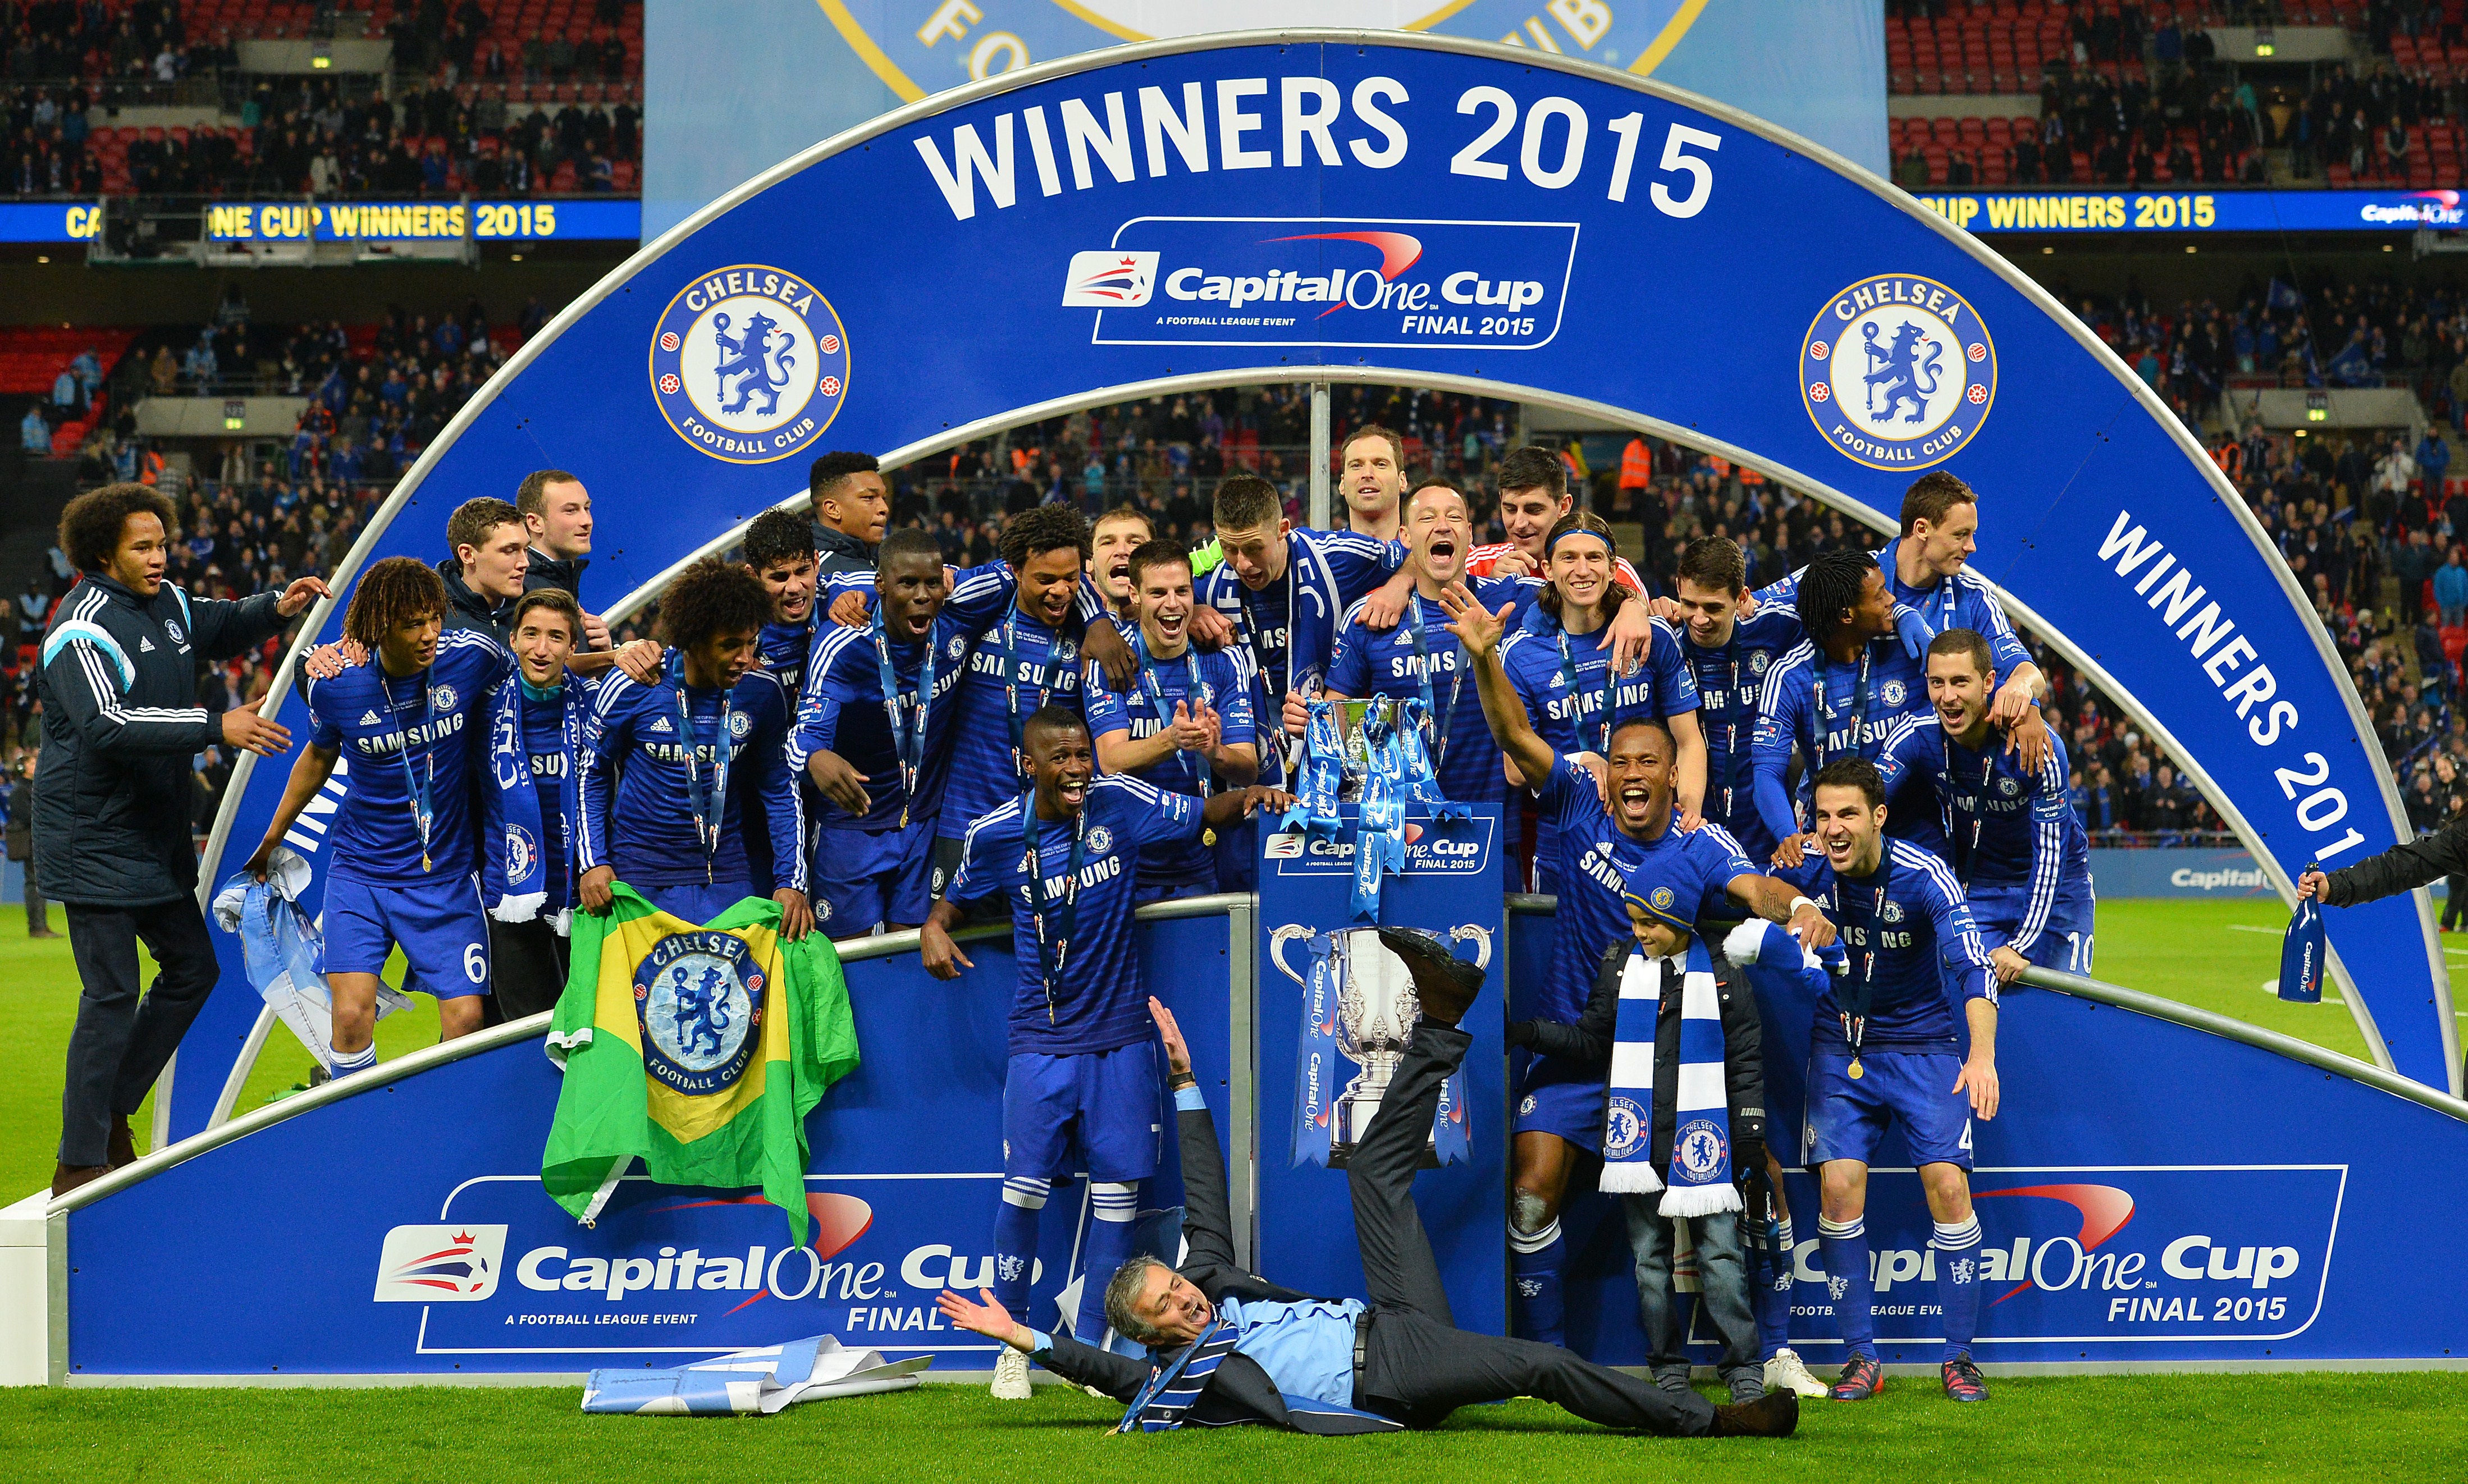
<point>1377,1009</point>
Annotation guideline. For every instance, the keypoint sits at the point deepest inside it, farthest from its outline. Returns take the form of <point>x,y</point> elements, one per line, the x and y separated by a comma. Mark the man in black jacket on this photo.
<point>1265,1354</point>
<point>2404,867</point>
<point>852,507</point>
<point>1652,1239</point>
<point>485,575</point>
<point>121,725</point>
<point>556,518</point>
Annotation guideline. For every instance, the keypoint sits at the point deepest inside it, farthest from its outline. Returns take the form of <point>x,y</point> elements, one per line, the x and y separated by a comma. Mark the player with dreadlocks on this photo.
<point>401,868</point>
<point>1838,694</point>
<point>666,767</point>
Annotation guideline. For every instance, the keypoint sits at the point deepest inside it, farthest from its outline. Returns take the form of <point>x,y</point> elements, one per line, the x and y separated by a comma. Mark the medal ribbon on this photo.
<point>1447,719</point>
<point>907,742</point>
<point>1568,679</point>
<point>417,790</point>
<point>707,804</point>
<point>1052,949</point>
<point>1058,654</point>
<point>1184,763</point>
<point>1858,705</point>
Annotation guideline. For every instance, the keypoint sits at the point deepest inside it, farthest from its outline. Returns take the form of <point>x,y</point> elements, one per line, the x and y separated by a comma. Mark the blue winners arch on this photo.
<point>1393,209</point>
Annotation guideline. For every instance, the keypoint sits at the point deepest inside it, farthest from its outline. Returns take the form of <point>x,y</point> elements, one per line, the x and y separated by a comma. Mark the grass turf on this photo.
<point>2241,1428</point>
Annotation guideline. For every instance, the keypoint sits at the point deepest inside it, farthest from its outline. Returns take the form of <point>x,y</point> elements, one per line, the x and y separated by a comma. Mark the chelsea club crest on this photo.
<point>698,1000</point>
<point>750,363</point>
<point>1897,372</point>
<point>1622,1126</point>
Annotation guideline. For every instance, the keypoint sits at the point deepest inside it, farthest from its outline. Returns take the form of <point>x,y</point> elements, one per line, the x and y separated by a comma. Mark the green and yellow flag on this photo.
<point>699,1050</point>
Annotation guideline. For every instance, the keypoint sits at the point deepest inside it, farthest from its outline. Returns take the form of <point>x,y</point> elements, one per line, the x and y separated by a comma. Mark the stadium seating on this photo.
<point>31,356</point>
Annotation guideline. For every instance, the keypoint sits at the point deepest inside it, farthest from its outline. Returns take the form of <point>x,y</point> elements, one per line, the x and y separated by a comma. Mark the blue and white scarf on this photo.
<point>515,873</point>
<point>2302,953</point>
<point>1699,1180</point>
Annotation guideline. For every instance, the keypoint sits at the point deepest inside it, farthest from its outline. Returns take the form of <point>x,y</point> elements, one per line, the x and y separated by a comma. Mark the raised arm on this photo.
<point>1207,1222</point>
<point>1478,628</point>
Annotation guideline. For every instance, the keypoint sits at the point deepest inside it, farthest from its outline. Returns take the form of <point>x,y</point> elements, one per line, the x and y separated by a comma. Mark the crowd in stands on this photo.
<point>477,109</point>
<point>2129,96</point>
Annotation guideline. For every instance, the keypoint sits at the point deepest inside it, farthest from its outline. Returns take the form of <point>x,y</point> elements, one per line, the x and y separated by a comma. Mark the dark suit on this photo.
<point>1414,1365</point>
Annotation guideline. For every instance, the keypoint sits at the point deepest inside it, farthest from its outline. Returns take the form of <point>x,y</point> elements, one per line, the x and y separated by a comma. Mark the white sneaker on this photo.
<point>1786,1370</point>
<point>1010,1375</point>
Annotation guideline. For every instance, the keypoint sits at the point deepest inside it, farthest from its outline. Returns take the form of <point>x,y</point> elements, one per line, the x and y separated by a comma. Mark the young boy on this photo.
<point>535,718</point>
<point>1664,894</point>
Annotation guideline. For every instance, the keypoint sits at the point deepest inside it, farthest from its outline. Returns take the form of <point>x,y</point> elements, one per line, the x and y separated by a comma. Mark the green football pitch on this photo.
<point>2217,955</point>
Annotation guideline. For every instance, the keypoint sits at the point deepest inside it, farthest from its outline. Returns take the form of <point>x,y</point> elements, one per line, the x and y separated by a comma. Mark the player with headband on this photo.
<point>1569,686</point>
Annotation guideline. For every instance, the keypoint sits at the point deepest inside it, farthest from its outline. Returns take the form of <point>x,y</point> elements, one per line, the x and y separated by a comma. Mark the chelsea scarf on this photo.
<point>1698,1180</point>
<point>514,867</point>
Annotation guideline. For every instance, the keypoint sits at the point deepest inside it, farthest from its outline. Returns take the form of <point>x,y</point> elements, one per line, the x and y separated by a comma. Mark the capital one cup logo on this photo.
<point>750,363</point>
<point>1898,372</point>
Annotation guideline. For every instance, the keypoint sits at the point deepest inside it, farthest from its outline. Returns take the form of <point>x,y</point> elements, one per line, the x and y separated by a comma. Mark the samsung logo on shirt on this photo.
<point>1401,666</point>
<point>548,764</point>
<point>1024,672</point>
<point>1095,871</point>
<point>380,745</point>
<point>672,752</point>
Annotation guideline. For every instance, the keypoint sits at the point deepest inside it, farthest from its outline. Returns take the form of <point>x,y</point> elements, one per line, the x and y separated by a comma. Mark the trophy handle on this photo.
<point>1277,941</point>
<point>1481,937</point>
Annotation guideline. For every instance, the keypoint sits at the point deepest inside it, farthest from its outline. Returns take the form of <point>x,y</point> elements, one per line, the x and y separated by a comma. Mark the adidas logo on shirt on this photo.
<point>145,646</point>
<point>369,719</point>
<point>660,725</point>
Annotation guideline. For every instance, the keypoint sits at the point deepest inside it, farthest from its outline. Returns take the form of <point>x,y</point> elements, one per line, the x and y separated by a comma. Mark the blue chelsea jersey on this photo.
<point>1095,1001</point>
<point>2003,827</point>
<point>786,647</point>
<point>637,793</point>
<point>1832,709</point>
<point>1016,665</point>
<point>1596,856</point>
<point>1729,680</point>
<point>1288,627</point>
<point>1222,680</point>
<point>1898,922</point>
<point>1562,677</point>
<point>844,710</point>
<point>1374,663</point>
<point>435,721</point>
<point>1961,601</point>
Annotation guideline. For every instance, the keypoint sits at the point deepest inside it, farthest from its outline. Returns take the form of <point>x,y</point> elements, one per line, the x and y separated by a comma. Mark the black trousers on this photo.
<point>527,965</point>
<point>2455,902</point>
<point>121,1042</point>
<point>1417,1366</point>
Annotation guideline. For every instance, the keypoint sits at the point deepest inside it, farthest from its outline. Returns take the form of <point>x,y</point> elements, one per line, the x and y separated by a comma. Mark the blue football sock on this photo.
<point>1957,1281</point>
<point>1015,1244</point>
<point>346,1063</point>
<point>1845,1246</point>
<point>1110,1230</point>
<point>1534,1265</point>
<point>1771,1296</point>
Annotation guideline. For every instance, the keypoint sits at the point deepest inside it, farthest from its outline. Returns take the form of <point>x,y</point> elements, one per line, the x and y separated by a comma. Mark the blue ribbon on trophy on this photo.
<point>1422,780</point>
<point>1321,779</point>
<point>1379,831</point>
<point>1359,1009</point>
<point>1316,1052</point>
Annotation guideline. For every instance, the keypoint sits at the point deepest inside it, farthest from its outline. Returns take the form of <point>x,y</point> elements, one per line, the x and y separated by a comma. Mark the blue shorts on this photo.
<point>1559,1099</point>
<point>1108,1104</point>
<point>694,902</point>
<point>865,879</point>
<point>2064,943</point>
<point>1845,1118</point>
<point>440,925</point>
